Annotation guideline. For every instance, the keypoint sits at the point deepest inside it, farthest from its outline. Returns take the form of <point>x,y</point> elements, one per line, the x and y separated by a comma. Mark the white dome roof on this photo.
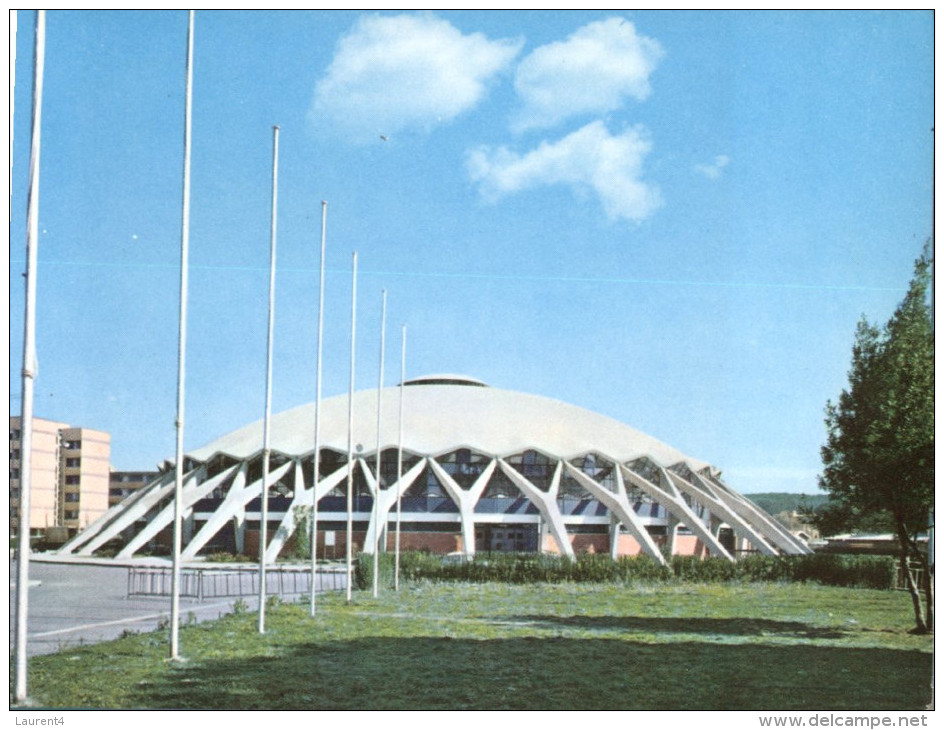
<point>438,418</point>
<point>442,414</point>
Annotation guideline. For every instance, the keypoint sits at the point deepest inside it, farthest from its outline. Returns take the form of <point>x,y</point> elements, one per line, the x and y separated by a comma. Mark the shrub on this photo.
<point>763,569</point>
<point>225,557</point>
<point>854,571</point>
<point>691,569</point>
<point>416,565</point>
<point>364,570</point>
<point>518,568</point>
<point>593,568</point>
<point>300,543</point>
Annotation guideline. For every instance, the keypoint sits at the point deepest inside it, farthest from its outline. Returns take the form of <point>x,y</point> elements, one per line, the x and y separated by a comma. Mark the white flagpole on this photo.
<point>377,530</point>
<point>29,364</point>
<point>396,567</point>
<point>266,447</point>
<point>181,361</point>
<point>350,432</point>
<point>317,455</point>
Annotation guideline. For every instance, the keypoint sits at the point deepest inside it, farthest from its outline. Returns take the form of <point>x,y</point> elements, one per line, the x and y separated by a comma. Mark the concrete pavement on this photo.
<point>84,600</point>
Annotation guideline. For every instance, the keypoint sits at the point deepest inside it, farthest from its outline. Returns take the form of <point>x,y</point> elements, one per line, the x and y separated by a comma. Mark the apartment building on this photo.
<point>70,472</point>
<point>44,496</point>
<point>122,484</point>
<point>85,466</point>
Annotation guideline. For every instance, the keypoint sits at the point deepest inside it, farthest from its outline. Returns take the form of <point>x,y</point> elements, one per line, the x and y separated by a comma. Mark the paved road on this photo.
<point>75,603</point>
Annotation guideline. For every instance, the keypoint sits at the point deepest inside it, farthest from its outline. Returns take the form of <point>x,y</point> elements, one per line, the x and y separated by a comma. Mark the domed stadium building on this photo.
<point>482,469</point>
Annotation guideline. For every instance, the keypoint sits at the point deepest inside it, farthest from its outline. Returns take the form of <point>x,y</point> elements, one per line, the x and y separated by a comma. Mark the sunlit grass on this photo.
<point>491,646</point>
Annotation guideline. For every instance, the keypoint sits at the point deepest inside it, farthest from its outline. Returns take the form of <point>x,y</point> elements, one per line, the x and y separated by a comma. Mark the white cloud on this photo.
<point>594,71</point>
<point>406,71</point>
<point>590,158</point>
<point>713,171</point>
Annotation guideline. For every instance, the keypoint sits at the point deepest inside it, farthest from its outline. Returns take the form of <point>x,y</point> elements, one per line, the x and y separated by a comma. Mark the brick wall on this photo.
<point>434,542</point>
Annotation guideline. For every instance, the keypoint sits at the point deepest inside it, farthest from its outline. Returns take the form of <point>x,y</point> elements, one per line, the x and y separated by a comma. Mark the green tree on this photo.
<point>879,454</point>
<point>834,518</point>
<point>302,543</point>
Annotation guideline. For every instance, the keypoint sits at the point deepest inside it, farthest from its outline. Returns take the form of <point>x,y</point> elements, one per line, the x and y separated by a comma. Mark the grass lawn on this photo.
<point>538,647</point>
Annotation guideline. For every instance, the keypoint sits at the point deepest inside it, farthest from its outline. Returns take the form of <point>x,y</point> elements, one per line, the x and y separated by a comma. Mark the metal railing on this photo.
<point>209,583</point>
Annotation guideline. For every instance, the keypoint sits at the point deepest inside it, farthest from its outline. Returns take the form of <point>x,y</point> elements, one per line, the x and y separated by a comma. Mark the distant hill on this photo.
<point>777,502</point>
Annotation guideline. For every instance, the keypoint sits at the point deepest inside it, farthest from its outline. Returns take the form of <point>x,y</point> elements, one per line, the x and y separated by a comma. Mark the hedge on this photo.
<point>826,569</point>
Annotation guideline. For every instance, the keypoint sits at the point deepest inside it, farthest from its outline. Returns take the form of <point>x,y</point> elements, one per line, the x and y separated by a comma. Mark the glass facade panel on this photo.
<point>500,487</point>
<point>570,488</point>
<point>574,499</point>
<point>635,495</point>
<point>221,490</point>
<point>683,471</point>
<point>599,469</point>
<point>501,496</point>
<point>219,463</point>
<point>535,467</point>
<point>388,465</point>
<point>464,465</point>
<point>336,501</point>
<point>285,486</point>
<point>330,461</point>
<point>426,494</point>
<point>646,469</point>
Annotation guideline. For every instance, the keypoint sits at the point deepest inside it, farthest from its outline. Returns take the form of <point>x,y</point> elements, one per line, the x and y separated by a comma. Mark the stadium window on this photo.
<point>72,479</point>
<point>74,461</point>
<point>72,496</point>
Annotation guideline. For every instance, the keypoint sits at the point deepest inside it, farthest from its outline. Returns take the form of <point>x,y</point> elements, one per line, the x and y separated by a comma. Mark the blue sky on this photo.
<point>673,218</point>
